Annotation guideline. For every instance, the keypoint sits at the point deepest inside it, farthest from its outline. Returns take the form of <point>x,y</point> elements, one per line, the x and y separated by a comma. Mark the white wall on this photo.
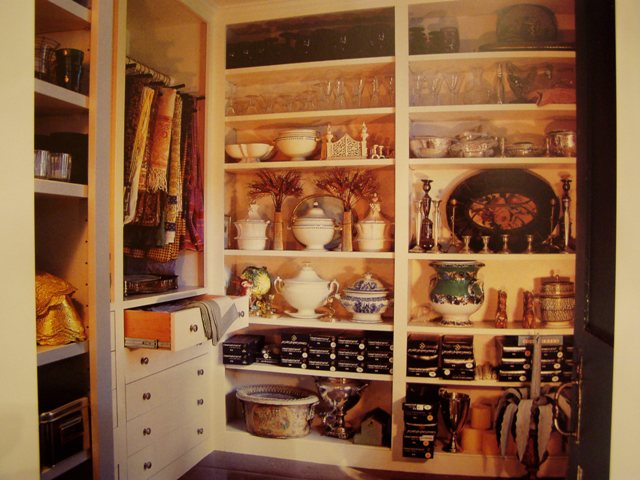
<point>626,388</point>
<point>18,395</point>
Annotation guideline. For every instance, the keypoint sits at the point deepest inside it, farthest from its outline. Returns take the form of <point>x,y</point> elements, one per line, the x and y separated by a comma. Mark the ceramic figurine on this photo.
<point>528,316</point>
<point>501,312</point>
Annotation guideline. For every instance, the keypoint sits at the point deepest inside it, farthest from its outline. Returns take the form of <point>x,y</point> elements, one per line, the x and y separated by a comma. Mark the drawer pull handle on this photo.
<point>200,431</point>
<point>147,465</point>
<point>146,396</point>
<point>146,431</point>
<point>201,401</point>
<point>144,361</point>
<point>200,372</point>
<point>193,328</point>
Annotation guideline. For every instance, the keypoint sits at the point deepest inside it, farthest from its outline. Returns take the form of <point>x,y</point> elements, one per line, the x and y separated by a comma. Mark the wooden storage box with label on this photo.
<point>176,327</point>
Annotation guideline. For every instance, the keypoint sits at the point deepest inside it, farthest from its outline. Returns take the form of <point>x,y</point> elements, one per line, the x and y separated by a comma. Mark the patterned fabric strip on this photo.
<point>137,153</point>
<point>159,163</point>
<point>174,200</point>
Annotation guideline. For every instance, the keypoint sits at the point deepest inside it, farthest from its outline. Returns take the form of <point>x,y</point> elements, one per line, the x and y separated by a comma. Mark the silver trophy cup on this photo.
<point>341,395</point>
<point>455,408</point>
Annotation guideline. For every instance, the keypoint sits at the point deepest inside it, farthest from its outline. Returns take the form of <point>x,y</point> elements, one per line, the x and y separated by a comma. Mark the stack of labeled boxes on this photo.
<point>294,350</point>
<point>423,356</point>
<point>379,353</point>
<point>420,421</point>
<point>457,361</point>
<point>242,349</point>
<point>516,353</point>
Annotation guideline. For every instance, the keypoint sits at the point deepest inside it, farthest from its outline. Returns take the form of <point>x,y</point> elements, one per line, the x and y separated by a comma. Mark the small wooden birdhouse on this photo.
<point>375,429</point>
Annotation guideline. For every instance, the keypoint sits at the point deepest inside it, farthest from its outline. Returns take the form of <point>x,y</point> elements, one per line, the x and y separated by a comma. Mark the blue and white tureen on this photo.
<point>366,299</point>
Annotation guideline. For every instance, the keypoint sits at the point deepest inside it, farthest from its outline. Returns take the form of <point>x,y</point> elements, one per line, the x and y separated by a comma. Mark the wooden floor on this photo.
<point>233,466</point>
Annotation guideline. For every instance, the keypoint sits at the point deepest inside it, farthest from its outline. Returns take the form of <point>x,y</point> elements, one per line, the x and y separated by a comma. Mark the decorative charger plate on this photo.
<point>504,201</point>
<point>332,207</point>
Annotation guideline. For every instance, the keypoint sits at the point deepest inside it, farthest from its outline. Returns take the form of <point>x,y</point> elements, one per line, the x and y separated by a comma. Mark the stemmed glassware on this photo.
<point>229,109</point>
<point>326,89</point>
<point>356,87</point>
<point>453,81</point>
<point>417,84</point>
<point>389,82</point>
<point>374,99</point>
<point>435,85</point>
<point>339,91</point>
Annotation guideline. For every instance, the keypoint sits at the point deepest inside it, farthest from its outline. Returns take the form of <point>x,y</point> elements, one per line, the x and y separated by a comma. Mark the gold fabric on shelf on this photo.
<point>57,320</point>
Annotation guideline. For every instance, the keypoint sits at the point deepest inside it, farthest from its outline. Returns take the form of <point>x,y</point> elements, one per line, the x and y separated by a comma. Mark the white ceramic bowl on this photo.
<point>297,147</point>
<point>252,243</point>
<point>373,244</point>
<point>249,152</point>
<point>313,237</point>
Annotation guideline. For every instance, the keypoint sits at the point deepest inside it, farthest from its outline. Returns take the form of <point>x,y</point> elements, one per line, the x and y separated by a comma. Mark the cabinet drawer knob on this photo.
<point>200,372</point>
<point>193,328</point>
<point>147,465</point>
<point>146,396</point>
<point>201,401</point>
<point>144,361</point>
<point>146,431</point>
<point>200,431</point>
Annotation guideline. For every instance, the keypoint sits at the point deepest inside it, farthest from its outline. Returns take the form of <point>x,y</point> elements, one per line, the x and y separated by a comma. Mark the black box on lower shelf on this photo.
<point>379,341</point>
<point>430,372</point>
<point>323,340</point>
<point>240,359</point>
<point>458,374</point>
<point>240,344</point>
<point>423,452</point>
<point>420,413</point>
<point>386,369</point>
<point>350,366</point>
<point>328,365</point>
<point>294,362</point>
<point>64,431</point>
<point>352,342</point>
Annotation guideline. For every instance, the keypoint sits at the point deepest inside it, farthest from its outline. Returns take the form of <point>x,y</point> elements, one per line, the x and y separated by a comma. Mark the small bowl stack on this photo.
<point>297,143</point>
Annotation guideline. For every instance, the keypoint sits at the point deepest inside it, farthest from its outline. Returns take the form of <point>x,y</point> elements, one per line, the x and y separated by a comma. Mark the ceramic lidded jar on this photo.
<point>315,229</point>
<point>372,232</point>
<point>252,231</point>
<point>306,291</point>
<point>367,299</point>
<point>456,292</point>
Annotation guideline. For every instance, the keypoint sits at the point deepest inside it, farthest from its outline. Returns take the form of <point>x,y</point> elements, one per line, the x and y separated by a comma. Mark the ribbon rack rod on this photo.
<point>134,67</point>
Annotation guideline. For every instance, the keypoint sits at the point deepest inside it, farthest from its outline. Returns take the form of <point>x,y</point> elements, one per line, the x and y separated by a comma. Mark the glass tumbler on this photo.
<point>69,68</point>
<point>41,163</point>
<point>60,166</point>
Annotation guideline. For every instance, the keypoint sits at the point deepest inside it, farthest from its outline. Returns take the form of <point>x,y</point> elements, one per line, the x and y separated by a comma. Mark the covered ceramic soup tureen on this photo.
<point>367,299</point>
<point>252,231</point>
<point>315,229</point>
<point>306,291</point>
<point>372,232</point>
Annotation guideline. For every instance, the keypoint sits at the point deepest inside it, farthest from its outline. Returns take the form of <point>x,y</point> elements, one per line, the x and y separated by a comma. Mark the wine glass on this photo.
<point>356,87</point>
<point>340,98</point>
<point>453,81</point>
<point>435,85</point>
<point>374,99</point>
<point>417,84</point>
<point>389,82</point>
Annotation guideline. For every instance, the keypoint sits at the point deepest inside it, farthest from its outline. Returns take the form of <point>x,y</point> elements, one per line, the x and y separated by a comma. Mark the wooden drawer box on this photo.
<point>171,330</point>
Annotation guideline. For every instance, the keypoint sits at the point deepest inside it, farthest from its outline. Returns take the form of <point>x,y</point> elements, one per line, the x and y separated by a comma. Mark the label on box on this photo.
<point>458,374</point>
<point>351,343</point>
<point>323,340</point>
<point>431,372</point>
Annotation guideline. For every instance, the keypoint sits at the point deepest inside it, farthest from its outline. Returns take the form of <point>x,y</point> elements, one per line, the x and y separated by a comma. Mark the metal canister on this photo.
<point>557,301</point>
